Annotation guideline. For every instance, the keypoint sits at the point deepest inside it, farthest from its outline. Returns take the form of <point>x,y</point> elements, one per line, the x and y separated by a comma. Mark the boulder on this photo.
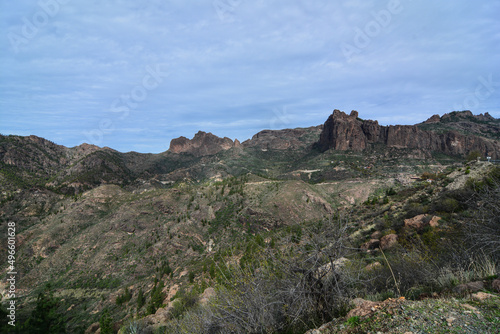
<point>388,241</point>
<point>482,296</point>
<point>417,222</point>
<point>435,221</point>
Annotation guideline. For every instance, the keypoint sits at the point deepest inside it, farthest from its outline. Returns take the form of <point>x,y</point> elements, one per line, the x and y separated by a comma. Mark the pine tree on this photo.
<point>106,322</point>
<point>141,300</point>
<point>44,318</point>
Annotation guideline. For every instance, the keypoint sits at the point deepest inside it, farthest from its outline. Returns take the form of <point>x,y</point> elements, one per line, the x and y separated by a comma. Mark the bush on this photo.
<point>446,204</point>
<point>281,291</point>
<point>124,298</point>
<point>473,156</point>
<point>183,303</point>
<point>482,231</point>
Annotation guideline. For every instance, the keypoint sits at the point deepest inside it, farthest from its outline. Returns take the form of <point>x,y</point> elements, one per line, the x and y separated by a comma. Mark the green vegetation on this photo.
<point>106,322</point>
<point>45,318</point>
<point>125,298</point>
<point>278,235</point>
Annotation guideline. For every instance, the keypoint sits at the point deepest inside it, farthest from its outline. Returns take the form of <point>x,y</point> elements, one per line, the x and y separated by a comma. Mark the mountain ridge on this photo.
<point>76,169</point>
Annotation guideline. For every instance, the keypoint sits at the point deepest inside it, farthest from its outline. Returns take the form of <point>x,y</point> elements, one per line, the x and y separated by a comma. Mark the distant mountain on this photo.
<point>33,161</point>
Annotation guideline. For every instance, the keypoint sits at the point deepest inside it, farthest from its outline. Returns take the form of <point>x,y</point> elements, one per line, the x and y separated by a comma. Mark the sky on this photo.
<point>132,75</point>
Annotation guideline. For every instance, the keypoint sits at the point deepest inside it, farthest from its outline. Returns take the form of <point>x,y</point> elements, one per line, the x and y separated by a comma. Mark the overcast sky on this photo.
<point>132,75</point>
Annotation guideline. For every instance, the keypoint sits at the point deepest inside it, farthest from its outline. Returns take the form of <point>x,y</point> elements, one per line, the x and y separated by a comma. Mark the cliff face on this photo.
<point>202,144</point>
<point>348,132</point>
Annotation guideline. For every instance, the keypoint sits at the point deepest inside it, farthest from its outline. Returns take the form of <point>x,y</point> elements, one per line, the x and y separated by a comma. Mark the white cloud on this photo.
<point>230,76</point>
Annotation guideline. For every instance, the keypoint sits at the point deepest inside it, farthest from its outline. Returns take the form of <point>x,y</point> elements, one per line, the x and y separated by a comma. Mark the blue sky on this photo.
<point>132,75</point>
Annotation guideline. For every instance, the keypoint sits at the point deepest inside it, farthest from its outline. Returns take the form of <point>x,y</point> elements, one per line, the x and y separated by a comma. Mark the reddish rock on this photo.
<point>435,221</point>
<point>416,222</point>
<point>201,145</point>
<point>348,132</point>
<point>421,221</point>
<point>388,241</point>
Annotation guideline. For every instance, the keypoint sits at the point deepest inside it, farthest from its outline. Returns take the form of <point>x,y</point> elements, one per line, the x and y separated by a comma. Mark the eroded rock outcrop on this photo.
<point>349,132</point>
<point>202,144</point>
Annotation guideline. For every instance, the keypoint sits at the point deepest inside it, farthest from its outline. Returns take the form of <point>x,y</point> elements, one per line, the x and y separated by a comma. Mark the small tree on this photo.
<point>45,318</point>
<point>106,322</point>
<point>157,297</point>
<point>141,300</point>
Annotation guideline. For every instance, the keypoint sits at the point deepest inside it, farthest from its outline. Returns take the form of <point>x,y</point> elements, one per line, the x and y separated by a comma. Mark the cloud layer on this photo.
<point>132,76</point>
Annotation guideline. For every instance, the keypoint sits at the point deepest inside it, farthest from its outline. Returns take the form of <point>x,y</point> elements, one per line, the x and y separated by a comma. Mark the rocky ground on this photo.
<point>476,313</point>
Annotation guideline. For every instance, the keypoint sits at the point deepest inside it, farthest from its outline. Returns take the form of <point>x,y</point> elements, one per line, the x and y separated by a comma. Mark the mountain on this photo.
<point>202,144</point>
<point>457,133</point>
<point>263,226</point>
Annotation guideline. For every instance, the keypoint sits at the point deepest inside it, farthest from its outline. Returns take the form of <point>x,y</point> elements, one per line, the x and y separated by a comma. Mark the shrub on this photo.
<point>106,322</point>
<point>290,288</point>
<point>482,230</point>
<point>183,303</point>
<point>124,298</point>
<point>473,156</point>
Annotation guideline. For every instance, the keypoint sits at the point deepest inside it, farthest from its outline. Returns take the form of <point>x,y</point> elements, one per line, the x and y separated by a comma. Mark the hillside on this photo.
<point>214,230</point>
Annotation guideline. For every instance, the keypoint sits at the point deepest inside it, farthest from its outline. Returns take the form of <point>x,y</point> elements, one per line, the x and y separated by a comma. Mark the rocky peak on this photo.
<point>343,132</point>
<point>202,144</point>
<point>348,132</point>
<point>433,119</point>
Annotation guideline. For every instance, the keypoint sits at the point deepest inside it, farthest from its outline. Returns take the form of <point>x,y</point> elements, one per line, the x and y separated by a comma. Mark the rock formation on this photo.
<point>202,144</point>
<point>348,132</point>
<point>299,138</point>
